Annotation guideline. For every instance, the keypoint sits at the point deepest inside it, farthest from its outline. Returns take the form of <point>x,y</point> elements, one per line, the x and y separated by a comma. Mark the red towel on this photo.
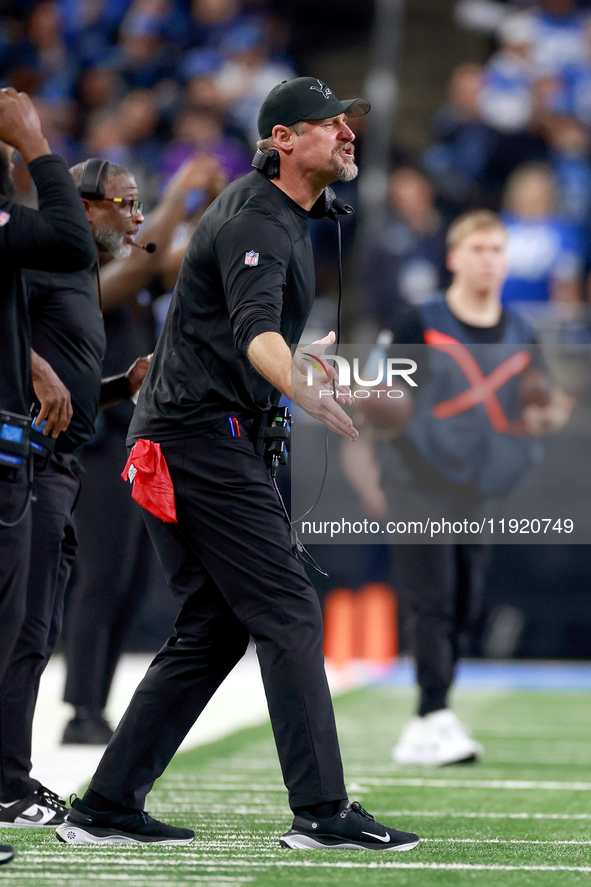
<point>147,470</point>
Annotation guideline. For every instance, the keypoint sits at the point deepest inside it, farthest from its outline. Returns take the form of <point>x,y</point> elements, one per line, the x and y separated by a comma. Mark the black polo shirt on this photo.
<point>68,332</point>
<point>249,269</point>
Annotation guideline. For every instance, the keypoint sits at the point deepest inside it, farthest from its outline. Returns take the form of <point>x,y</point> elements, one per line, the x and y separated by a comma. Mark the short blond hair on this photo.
<point>266,145</point>
<point>469,222</point>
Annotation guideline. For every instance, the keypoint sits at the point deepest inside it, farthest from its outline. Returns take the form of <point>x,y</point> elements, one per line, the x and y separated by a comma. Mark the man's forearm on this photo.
<point>270,356</point>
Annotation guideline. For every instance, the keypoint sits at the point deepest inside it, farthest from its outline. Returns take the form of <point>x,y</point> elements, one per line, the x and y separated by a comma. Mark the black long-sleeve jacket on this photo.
<point>56,237</point>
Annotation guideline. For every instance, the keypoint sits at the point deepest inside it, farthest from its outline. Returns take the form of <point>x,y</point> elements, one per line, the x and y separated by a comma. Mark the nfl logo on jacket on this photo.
<point>251,258</point>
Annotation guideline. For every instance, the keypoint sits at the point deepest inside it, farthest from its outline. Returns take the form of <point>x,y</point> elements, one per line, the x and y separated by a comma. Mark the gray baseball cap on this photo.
<point>304,98</point>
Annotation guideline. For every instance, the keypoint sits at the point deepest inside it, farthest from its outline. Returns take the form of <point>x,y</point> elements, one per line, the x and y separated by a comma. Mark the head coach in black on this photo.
<point>243,296</point>
<point>56,237</point>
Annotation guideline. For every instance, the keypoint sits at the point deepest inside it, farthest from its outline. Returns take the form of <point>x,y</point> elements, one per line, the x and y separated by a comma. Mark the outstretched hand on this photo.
<point>327,372</point>
<point>316,390</point>
<point>318,401</point>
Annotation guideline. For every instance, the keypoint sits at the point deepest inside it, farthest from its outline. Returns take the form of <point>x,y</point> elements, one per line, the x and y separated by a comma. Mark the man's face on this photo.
<point>325,147</point>
<point>479,261</point>
<point>113,225</point>
<point>7,188</point>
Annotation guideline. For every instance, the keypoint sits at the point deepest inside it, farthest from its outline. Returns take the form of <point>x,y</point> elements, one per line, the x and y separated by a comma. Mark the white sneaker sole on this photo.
<point>306,842</point>
<point>438,757</point>
<point>71,834</point>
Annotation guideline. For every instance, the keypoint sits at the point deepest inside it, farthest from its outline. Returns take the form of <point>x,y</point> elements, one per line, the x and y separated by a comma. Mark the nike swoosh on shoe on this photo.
<point>40,816</point>
<point>34,818</point>
<point>384,838</point>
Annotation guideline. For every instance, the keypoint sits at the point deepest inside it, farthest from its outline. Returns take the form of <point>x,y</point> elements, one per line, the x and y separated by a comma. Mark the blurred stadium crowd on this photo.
<point>514,136</point>
<point>149,83</point>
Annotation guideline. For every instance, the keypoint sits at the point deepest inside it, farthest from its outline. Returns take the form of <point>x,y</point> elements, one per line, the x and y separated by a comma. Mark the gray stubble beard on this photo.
<point>112,242</point>
<point>346,171</point>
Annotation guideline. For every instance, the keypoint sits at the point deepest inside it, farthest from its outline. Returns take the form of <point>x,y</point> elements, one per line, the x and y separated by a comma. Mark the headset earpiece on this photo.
<point>89,187</point>
<point>267,163</point>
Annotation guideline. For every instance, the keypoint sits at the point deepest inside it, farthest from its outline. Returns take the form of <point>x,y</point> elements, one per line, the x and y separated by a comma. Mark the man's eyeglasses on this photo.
<point>135,206</point>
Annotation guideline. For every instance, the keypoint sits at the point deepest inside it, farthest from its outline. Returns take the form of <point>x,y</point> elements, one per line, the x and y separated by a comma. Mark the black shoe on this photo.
<point>39,809</point>
<point>87,731</point>
<point>351,828</point>
<point>86,826</point>
<point>6,854</point>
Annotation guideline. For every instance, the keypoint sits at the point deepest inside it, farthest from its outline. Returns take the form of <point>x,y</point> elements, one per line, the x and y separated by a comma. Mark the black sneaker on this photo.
<point>87,731</point>
<point>41,808</point>
<point>6,854</point>
<point>86,826</point>
<point>351,828</point>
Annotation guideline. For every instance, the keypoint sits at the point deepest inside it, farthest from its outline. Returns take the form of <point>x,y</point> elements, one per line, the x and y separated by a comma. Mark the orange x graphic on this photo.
<point>482,387</point>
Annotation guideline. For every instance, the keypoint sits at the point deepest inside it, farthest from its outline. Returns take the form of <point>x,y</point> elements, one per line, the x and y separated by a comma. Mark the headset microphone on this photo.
<point>149,247</point>
<point>329,206</point>
<point>338,207</point>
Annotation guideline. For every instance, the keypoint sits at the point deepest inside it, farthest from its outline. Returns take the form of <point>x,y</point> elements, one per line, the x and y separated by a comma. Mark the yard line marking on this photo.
<point>508,784</point>
<point>438,813</point>
<point>495,841</point>
<point>419,782</point>
<point>436,866</point>
<point>304,863</point>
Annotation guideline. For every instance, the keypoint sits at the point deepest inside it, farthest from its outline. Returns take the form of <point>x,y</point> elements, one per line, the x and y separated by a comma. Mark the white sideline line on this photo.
<point>437,814</point>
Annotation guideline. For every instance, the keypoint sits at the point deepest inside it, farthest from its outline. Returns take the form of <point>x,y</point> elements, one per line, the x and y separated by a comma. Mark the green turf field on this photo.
<point>523,817</point>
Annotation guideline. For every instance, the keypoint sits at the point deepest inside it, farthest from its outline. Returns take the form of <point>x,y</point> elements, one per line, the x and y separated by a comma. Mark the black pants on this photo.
<point>15,547</point>
<point>53,549</point>
<point>230,566</point>
<point>112,573</point>
<point>441,589</point>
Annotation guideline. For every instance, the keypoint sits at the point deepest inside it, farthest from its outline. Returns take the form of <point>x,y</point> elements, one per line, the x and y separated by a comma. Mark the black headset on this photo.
<point>267,163</point>
<point>89,187</point>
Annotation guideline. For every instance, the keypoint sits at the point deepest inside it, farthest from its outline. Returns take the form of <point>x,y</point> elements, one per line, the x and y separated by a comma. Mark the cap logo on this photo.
<point>323,88</point>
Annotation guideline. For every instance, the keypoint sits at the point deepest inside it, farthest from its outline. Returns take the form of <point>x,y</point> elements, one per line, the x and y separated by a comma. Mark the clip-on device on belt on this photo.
<point>14,452</point>
<point>14,439</point>
<point>276,438</point>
